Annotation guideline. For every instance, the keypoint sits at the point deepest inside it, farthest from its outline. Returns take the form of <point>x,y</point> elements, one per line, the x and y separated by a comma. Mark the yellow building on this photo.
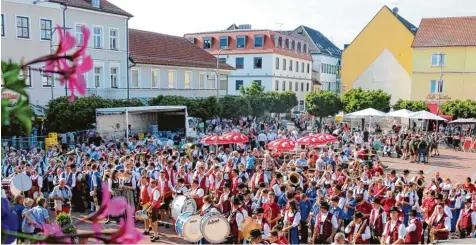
<point>444,47</point>
<point>380,57</point>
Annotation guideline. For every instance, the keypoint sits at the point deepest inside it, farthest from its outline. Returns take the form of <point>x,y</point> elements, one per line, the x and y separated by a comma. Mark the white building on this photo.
<point>326,57</point>
<point>28,27</point>
<point>277,61</point>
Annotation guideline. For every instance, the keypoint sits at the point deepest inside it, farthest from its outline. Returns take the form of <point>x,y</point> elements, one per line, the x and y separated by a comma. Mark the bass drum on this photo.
<point>214,227</point>
<point>188,227</point>
<point>19,184</point>
<point>182,204</point>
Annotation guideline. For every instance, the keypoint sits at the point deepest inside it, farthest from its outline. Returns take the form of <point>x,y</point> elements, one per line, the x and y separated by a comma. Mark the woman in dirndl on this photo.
<point>128,187</point>
<point>292,219</point>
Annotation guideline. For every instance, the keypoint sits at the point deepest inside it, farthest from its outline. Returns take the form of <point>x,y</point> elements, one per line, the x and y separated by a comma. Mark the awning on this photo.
<point>434,108</point>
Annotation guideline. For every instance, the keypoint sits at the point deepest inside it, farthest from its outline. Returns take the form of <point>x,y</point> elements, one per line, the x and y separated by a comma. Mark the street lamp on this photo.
<point>439,88</point>
<point>218,72</point>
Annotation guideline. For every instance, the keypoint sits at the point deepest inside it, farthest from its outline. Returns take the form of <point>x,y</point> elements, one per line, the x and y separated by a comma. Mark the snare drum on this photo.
<point>182,204</point>
<point>141,215</point>
<point>188,227</point>
<point>214,227</point>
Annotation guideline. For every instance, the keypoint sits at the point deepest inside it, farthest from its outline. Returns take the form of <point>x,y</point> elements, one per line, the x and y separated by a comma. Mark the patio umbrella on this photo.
<point>401,113</point>
<point>235,138</point>
<point>214,140</point>
<point>464,121</point>
<point>369,112</point>
<point>426,116</point>
<point>316,139</point>
<point>282,145</point>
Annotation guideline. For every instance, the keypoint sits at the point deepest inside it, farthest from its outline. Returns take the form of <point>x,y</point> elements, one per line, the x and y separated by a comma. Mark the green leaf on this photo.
<point>24,113</point>
<point>5,110</point>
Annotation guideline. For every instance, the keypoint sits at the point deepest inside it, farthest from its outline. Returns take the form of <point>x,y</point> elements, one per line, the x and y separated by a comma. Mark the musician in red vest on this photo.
<point>356,230</point>
<point>427,208</point>
<point>216,187</point>
<point>154,209</point>
<point>326,225</point>
<point>145,196</point>
<point>258,177</point>
<point>169,172</point>
<point>414,229</point>
<point>377,220</point>
<point>166,190</point>
<point>260,219</point>
<point>235,218</point>
<point>224,204</point>
<point>196,193</point>
<point>202,179</point>
<point>440,224</point>
<point>274,186</point>
<point>467,220</point>
<point>394,232</point>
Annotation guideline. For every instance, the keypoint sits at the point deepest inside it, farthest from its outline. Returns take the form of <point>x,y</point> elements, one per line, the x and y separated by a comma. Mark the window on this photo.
<point>114,71</point>
<point>240,62</point>
<point>46,79</point>
<point>258,62</point>
<point>45,29</point>
<point>276,85</point>
<point>290,65</point>
<point>283,43</point>
<point>434,87</point>
<point>296,86</point>
<point>299,48</point>
<point>113,39</point>
<point>240,41</point>
<point>207,43</point>
<point>97,76</point>
<point>304,46</point>
<point>238,84</point>
<point>259,41</point>
<point>290,86</point>
<point>277,63</point>
<point>438,59</point>
<point>172,79</point>
<point>201,82</point>
<point>301,105</point>
<point>223,42</point>
<point>23,27</point>
<point>79,34</point>
<point>222,60</point>
<point>276,41</point>
<point>155,78</point>
<point>96,3</point>
<point>290,43</point>
<point>135,78</point>
<point>297,66</point>
<point>307,87</point>
<point>258,82</point>
<point>302,87</point>
<point>302,67</point>
<point>97,37</point>
<point>3,25</point>
<point>284,64</point>
<point>25,74</point>
<point>322,68</point>
<point>307,68</point>
<point>188,77</point>
<point>284,86</point>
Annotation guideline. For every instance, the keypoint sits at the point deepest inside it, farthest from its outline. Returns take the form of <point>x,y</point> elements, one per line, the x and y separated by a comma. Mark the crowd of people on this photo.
<point>338,193</point>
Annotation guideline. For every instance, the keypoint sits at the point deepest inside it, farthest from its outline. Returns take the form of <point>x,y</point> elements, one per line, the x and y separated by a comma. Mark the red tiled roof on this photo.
<point>105,6</point>
<point>446,32</point>
<point>160,49</point>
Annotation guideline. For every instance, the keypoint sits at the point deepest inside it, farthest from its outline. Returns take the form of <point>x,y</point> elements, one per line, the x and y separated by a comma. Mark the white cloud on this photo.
<point>339,20</point>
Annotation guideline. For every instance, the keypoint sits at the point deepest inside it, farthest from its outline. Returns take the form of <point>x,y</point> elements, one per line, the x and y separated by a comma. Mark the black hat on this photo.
<point>412,213</point>
<point>226,185</point>
<point>246,192</point>
<point>258,211</point>
<point>305,168</point>
<point>432,193</point>
<point>439,196</point>
<point>73,166</point>
<point>324,205</point>
<point>394,209</point>
<point>377,201</point>
<point>468,200</point>
<point>241,186</point>
<point>256,233</point>
<point>279,175</point>
<point>358,215</point>
<point>421,172</point>
<point>235,200</point>
<point>406,171</point>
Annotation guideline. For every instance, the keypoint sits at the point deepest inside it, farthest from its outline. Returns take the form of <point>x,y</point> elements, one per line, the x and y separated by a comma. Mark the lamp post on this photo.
<point>439,88</point>
<point>218,72</point>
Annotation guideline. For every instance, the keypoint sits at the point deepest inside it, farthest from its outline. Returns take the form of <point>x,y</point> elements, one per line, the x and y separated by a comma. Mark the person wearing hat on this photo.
<point>440,224</point>
<point>260,219</point>
<point>414,229</point>
<point>467,220</point>
<point>234,219</point>
<point>357,234</point>
<point>77,190</point>
<point>326,225</point>
<point>404,176</point>
<point>255,237</point>
<point>394,231</point>
<point>224,203</point>
<point>274,186</point>
<point>377,220</point>
<point>292,219</point>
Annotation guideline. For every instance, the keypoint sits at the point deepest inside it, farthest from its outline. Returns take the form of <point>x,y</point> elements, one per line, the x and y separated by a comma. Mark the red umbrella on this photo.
<point>311,140</point>
<point>327,138</point>
<point>282,145</point>
<point>214,140</point>
<point>235,138</point>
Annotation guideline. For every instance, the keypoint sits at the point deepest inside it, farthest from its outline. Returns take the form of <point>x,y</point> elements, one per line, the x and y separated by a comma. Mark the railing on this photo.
<point>26,143</point>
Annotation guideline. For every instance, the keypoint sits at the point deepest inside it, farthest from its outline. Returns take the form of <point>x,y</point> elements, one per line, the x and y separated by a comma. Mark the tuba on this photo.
<point>420,183</point>
<point>247,225</point>
<point>294,179</point>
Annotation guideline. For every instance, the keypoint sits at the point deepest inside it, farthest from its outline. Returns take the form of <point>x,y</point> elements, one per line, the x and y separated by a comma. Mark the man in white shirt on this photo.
<point>414,229</point>
<point>272,136</point>
<point>355,231</point>
<point>321,234</point>
<point>62,196</point>
<point>154,209</point>
<point>440,225</point>
<point>358,140</point>
<point>262,139</point>
<point>394,231</point>
<point>466,221</point>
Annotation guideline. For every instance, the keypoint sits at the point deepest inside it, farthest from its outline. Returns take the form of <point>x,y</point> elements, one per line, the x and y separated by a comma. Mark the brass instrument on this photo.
<point>359,232</point>
<point>247,225</point>
<point>430,224</point>
<point>294,178</point>
<point>420,183</point>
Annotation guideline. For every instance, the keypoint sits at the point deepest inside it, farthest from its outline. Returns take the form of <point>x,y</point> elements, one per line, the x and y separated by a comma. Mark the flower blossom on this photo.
<point>127,233</point>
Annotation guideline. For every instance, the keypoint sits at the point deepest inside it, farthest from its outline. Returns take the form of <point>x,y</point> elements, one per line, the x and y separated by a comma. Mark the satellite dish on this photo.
<point>395,10</point>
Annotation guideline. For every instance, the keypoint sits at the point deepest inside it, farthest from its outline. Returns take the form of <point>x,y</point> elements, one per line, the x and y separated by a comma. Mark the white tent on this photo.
<point>426,116</point>
<point>401,113</point>
<point>369,112</point>
<point>464,120</point>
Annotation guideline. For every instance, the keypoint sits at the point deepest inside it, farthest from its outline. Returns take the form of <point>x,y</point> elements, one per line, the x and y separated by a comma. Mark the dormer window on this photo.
<point>299,47</point>
<point>240,41</point>
<point>207,42</point>
<point>276,41</point>
<point>96,3</point>
<point>290,45</point>
<point>223,42</point>
<point>259,41</point>
<point>283,43</point>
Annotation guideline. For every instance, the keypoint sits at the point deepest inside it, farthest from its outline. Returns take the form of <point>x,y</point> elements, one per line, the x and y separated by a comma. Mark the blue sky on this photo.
<point>339,20</point>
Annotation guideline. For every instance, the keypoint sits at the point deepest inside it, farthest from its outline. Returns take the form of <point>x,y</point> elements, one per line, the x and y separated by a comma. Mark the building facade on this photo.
<point>380,57</point>
<point>444,49</point>
<point>29,31</point>
<point>277,61</point>
<point>326,57</point>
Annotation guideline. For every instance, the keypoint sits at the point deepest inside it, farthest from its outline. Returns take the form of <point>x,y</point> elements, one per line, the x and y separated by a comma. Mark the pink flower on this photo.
<point>76,80</point>
<point>66,43</point>
<point>52,229</point>
<point>127,233</point>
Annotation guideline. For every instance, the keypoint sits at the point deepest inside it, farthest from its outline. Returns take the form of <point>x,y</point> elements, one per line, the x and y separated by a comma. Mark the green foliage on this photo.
<point>359,99</point>
<point>234,106</point>
<point>14,128</point>
<point>254,90</point>
<point>459,108</point>
<point>412,105</point>
<point>65,222</point>
<point>21,110</point>
<point>127,103</point>
<point>204,108</point>
<point>323,103</point>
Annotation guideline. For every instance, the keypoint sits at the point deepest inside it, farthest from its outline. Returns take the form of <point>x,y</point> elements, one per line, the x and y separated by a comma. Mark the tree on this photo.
<point>234,106</point>
<point>127,103</point>
<point>359,99</point>
<point>412,105</point>
<point>323,104</point>
<point>254,90</point>
<point>280,102</point>
<point>204,108</point>
<point>459,108</point>
<point>14,127</point>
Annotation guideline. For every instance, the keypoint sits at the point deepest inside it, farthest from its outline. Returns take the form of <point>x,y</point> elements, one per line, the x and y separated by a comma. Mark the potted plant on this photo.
<point>66,223</point>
